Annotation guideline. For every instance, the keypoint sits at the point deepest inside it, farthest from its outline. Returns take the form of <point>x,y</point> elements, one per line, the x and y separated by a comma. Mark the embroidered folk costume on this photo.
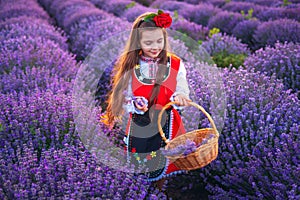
<point>143,139</point>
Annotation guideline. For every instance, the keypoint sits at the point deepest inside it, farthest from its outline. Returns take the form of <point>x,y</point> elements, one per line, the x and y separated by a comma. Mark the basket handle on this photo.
<point>162,134</point>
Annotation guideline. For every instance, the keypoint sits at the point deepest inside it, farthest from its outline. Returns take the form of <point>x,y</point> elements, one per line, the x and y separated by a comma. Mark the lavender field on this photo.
<point>255,44</point>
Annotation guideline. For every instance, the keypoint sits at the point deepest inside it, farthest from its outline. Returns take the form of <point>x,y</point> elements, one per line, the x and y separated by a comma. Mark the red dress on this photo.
<point>144,140</point>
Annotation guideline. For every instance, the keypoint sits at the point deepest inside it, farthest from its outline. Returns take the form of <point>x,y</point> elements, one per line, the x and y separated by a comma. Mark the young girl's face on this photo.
<point>152,42</point>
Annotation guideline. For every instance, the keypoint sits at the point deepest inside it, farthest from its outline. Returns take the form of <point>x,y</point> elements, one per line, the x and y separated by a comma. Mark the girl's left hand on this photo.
<point>182,100</point>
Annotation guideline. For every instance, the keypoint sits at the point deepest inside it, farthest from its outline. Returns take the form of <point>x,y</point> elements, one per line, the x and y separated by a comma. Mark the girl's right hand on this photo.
<point>139,104</point>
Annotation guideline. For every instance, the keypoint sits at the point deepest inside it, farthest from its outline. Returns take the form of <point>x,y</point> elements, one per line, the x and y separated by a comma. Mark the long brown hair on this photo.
<point>124,66</point>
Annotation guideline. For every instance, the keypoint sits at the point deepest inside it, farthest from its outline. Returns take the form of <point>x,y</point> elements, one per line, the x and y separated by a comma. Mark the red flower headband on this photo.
<point>161,19</point>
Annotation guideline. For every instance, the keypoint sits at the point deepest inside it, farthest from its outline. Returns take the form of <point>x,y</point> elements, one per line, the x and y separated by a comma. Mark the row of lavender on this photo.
<point>268,3</point>
<point>263,109</point>
<point>262,127</point>
<point>41,154</point>
<point>226,50</point>
<point>256,26</point>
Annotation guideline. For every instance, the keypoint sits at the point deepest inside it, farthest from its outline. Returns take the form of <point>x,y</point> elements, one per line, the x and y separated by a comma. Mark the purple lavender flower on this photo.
<point>262,120</point>
<point>63,9</point>
<point>225,21</point>
<point>44,118</point>
<point>281,61</point>
<point>243,6</point>
<point>118,7</point>
<point>69,172</point>
<point>100,3</point>
<point>282,30</point>
<point>30,9</point>
<point>200,14</point>
<point>190,147</point>
<point>205,140</point>
<point>196,2</point>
<point>83,15</point>
<point>222,42</point>
<point>132,13</point>
<point>171,5</point>
<point>31,79</point>
<point>45,3</point>
<point>145,2</point>
<point>28,26</point>
<point>279,13</point>
<point>245,31</point>
<point>183,149</point>
<point>38,52</point>
<point>218,3</point>
<point>193,30</point>
<point>84,40</point>
<point>177,151</point>
<point>266,3</point>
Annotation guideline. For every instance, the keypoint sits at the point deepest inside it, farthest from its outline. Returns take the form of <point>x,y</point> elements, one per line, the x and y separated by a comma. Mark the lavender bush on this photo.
<point>118,7</point>
<point>223,42</point>
<point>145,2</point>
<point>44,118</point>
<point>31,27</point>
<point>100,3</point>
<point>38,52</point>
<point>193,30</point>
<point>243,6</point>
<point>103,87</point>
<point>31,79</point>
<point>267,3</point>
<point>225,21</point>
<point>171,5</point>
<point>200,14</point>
<point>226,51</point>
<point>59,7</point>
<point>282,61</point>
<point>245,31</point>
<point>261,118</point>
<point>65,173</point>
<point>260,113</point>
<point>196,2</point>
<point>63,10</point>
<point>45,3</point>
<point>83,15</point>
<point>44,151</point>
<point>30,9</point>
<point>282,30</point>
<point>218,3</point>
<point>83,42</point>
<point>132,13</point>
<point>279,13</point>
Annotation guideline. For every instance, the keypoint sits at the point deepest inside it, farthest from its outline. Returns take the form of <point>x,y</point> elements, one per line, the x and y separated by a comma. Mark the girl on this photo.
<point>147,77</point>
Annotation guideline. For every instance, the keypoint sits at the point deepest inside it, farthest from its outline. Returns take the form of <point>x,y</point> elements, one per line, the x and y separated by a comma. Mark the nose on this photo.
<point>155,46</point>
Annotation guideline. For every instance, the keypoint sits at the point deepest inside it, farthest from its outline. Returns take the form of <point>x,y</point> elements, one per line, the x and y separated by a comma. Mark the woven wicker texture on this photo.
<point>204,154</point>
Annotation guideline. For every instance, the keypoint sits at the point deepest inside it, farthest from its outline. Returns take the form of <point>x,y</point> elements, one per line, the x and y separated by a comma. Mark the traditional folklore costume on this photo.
<point>143,140</point>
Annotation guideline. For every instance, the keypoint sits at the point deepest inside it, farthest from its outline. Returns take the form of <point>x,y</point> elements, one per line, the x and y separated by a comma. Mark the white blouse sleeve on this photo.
<point>182,84</point>
<point>129,100</point>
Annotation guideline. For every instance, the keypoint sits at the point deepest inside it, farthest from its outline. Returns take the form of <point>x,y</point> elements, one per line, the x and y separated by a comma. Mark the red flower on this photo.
<point>133,150</point>
<point>148,157</point>
<point>163,20</point>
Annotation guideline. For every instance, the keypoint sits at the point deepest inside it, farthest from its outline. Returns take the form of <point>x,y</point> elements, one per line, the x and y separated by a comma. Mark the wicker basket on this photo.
<point>204,154</point>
